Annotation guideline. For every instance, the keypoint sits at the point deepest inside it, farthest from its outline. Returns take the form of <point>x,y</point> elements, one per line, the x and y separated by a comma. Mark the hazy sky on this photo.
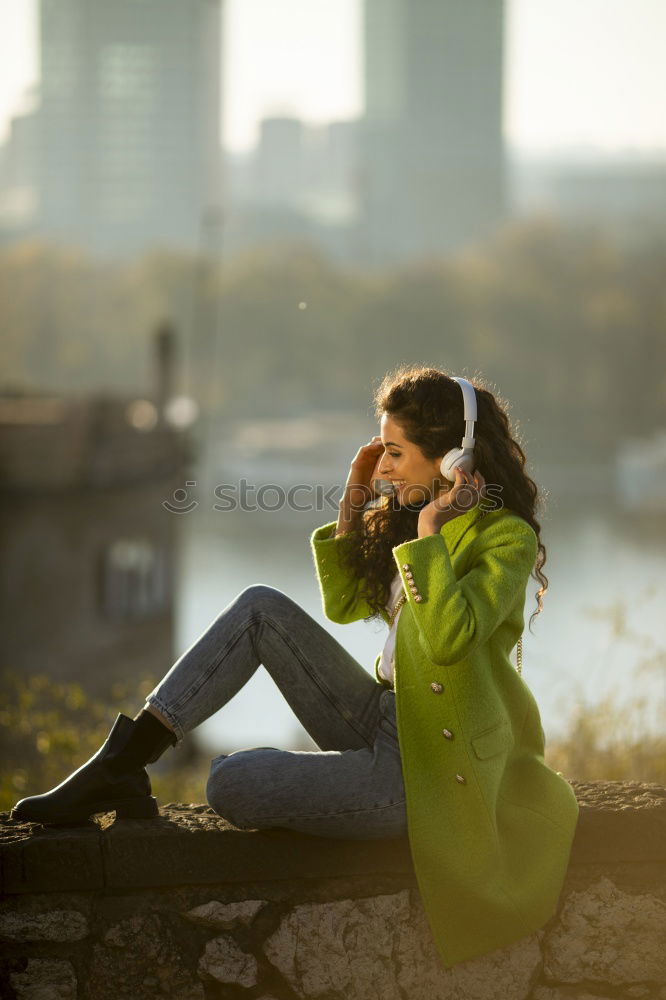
<point>579,72</point>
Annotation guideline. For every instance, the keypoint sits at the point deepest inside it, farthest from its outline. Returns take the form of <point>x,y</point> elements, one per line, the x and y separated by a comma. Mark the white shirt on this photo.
<point>387,662</point>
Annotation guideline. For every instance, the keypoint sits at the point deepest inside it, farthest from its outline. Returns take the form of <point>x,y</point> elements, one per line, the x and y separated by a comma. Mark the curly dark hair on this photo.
<point>428,405</point>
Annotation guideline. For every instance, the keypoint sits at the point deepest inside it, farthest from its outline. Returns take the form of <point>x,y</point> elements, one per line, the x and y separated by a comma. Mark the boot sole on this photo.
<point>138,808</point>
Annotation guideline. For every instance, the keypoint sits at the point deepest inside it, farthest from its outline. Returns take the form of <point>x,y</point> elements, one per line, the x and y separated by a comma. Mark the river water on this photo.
<point>601,632</point>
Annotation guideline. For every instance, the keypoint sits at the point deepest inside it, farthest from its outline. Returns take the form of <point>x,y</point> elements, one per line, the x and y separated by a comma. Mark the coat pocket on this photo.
<point>492,741</point>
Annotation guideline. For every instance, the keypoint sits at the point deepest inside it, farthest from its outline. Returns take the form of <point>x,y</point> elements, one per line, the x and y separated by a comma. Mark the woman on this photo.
<point>445,745</point>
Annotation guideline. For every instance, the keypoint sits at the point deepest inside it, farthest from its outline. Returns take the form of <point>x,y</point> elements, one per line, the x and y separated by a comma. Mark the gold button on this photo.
<point>409,574</point>
<point>418,597</point>
<point>447,733</point>
<point>436,687</point>
<point>461,779</point>
<point>405,565</point>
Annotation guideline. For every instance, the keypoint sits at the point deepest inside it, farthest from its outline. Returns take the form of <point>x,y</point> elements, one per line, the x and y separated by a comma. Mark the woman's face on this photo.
<point>406,466</point>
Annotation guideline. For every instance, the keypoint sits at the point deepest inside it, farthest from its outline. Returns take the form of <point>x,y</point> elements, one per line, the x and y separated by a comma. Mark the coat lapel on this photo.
<point>453,532</point>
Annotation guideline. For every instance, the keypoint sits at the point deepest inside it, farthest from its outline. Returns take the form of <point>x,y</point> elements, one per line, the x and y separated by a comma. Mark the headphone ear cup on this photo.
<point>446,466</point>
<point>457,456</point>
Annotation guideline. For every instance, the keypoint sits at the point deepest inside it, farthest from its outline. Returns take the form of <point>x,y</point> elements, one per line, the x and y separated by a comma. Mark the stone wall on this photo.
<point>188,907</point>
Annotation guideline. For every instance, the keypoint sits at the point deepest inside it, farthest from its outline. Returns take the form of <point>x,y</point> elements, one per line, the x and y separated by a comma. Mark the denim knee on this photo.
<point>260,594</point>
<point>213,784</point>
<point>221,794</point>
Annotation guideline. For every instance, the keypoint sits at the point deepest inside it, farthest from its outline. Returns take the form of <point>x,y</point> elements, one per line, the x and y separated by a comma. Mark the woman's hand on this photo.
<point>466,492</point>
<point>358,488</point>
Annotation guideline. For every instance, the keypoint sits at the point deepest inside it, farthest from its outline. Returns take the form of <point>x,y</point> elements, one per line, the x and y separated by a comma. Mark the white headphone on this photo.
<point>465,454</point>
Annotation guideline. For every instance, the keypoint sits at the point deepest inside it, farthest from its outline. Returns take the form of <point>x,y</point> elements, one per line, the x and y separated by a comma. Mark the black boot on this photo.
<point>113,779</point>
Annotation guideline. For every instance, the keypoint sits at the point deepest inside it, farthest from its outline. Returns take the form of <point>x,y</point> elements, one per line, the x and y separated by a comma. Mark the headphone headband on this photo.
<point>469,407</point>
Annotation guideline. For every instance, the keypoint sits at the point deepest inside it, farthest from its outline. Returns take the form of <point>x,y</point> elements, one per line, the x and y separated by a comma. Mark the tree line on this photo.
<point>563,319</point>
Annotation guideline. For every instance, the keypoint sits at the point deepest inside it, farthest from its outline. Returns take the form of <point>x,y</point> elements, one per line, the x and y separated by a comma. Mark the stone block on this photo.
<point>224,916</point>
<point>44,979</point>
<point>50,925</point>
<point>225,962</point>
<point>608,936</point>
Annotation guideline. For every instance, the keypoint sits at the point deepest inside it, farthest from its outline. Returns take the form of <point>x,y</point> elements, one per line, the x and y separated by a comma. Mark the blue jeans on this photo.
<point>353,786</point>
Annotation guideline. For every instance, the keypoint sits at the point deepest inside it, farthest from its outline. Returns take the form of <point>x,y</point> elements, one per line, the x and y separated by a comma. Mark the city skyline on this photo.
<point>556,97</point>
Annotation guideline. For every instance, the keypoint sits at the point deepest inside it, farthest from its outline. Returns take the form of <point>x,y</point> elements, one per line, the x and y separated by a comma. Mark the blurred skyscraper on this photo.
<point>127,124</point>
<point>432,163</point>
<point>280,160</point>
<point>118,148</point>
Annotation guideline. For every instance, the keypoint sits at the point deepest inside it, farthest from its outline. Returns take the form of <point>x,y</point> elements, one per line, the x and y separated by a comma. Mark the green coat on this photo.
<point>490,825</point>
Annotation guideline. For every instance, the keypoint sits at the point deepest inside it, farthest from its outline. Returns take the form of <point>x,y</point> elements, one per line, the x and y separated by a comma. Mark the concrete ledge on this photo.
<point>104,909</point>
<point>187,844</point>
